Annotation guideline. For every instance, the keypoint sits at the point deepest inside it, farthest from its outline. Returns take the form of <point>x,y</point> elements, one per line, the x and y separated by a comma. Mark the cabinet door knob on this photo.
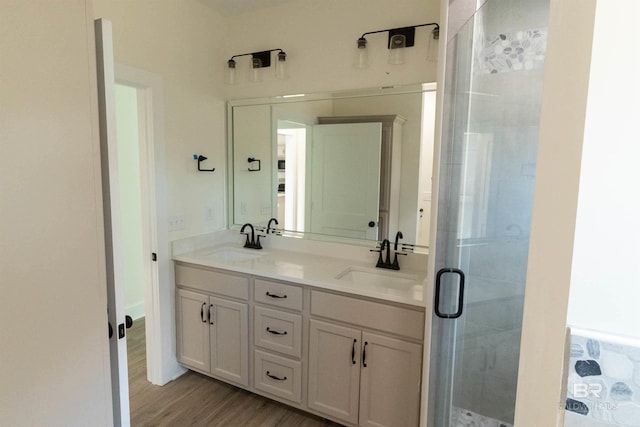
<point>210,315</point>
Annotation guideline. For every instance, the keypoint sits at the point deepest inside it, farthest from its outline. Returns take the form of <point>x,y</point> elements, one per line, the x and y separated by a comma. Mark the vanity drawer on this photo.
<point>215,282</point>
<point>369,314</point>
<point>278,331</point>
<point>278,294</point>
<point>278,376</point>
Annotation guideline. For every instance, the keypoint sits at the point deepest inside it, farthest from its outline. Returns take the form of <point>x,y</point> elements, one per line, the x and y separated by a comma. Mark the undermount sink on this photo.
<point>228,254</point>
<point>376,277</point>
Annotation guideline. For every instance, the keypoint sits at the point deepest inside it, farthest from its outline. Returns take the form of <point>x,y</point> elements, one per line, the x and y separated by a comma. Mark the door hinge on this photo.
<point>154,257</point>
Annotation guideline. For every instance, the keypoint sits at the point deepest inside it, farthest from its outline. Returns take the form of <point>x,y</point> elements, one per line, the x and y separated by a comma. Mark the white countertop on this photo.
<point>343,274</point>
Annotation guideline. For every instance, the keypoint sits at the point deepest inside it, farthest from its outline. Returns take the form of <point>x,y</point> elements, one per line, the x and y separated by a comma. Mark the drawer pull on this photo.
<point>353,351</point>
<point>270,375</point>
<point>274,332</point>
<point>269,294</point>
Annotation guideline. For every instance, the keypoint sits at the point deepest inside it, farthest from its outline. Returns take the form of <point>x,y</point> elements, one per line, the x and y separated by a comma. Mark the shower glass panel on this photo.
<point>493,91</point>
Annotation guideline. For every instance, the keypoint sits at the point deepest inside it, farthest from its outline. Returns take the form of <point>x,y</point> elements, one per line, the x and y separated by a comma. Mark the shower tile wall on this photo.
<point>603,386</point>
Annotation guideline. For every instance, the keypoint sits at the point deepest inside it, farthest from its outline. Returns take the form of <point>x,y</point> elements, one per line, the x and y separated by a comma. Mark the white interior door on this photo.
<point>345,179</point>
<point>113,229</point>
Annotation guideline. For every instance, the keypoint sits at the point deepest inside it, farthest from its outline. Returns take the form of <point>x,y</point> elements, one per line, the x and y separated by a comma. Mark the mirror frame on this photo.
<point>297,98</point>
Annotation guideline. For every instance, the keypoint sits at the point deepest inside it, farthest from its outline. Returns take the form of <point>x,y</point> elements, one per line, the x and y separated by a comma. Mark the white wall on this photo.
<point>54,351</point>
<point>319,38</point>
<point>252,130</point>
<point>585,232</point>
<point>605,278</point>
<point>180,41</point>
<point>130,199</point>
<point>188,44</point>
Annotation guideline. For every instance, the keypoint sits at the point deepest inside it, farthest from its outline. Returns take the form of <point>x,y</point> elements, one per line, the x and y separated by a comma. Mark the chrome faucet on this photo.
<point>253,243</point>
<point>269,225</point>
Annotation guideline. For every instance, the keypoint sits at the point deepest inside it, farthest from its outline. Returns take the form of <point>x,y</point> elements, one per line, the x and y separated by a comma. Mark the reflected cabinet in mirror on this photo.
<point>351,165</point>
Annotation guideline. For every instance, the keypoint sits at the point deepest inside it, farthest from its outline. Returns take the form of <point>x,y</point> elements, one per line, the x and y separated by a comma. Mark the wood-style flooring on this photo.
<point>197,400</point>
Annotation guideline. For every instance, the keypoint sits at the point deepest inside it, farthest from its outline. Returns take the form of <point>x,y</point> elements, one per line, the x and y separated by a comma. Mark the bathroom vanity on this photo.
<point>310,324</point>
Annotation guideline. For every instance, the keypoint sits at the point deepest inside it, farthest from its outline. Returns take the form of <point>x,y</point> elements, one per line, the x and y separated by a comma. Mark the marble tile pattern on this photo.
<point>463,418</point>
<point>520,50</point>
<point>604,379</point>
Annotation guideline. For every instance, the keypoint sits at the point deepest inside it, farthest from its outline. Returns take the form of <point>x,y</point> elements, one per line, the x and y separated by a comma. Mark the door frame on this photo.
<point>158,326</point>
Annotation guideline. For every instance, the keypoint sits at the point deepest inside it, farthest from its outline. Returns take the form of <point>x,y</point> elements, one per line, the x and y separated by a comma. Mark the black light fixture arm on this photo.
<point>408,33</point>
<point>264,57</point>
<point>437,28</point>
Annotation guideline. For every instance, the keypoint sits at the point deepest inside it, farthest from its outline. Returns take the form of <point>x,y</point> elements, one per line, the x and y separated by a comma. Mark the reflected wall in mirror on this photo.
<point>351,165</point>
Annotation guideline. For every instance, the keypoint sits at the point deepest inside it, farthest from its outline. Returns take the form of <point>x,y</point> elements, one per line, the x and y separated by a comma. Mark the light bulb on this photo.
<point>362,56</point>
<point>432,50</point>
<point>432,46</point>
<point>230,72</point>
<point>396,49</point>
<point>256,70</point>
<point>280,68</point>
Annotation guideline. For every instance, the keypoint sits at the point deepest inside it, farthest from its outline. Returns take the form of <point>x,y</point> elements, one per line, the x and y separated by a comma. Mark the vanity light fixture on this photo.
<point>399,38</point>
<point>259,60</point>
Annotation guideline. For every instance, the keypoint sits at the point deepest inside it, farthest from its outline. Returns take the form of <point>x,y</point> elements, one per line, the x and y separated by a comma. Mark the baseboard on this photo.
<point>136,311</point>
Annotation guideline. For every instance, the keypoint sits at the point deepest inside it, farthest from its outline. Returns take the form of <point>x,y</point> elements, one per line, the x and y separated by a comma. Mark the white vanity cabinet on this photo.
<point>361,376</point>
<point>212,330</point>
<point>278,337</point>
<point>351,359</point>
<point>192,330</point>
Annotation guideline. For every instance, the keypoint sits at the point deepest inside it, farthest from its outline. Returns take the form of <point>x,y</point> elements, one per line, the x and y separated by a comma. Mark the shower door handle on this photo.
<point>439,275</point>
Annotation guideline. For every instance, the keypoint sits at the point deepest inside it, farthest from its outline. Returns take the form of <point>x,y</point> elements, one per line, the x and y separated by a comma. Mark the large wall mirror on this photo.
<point>345,165</point>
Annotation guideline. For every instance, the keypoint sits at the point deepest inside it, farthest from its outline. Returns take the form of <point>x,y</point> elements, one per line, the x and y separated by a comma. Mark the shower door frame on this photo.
<point>432,349</point>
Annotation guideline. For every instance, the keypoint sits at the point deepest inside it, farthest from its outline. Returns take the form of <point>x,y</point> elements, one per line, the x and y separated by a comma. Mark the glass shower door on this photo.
<point>493,90</point>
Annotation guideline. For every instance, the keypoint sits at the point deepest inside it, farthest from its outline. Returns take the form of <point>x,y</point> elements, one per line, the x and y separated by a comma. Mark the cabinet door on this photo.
<point>229,334</point>
<point>334,370</point>
<point>390,382</point>
<point>192,330</point>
